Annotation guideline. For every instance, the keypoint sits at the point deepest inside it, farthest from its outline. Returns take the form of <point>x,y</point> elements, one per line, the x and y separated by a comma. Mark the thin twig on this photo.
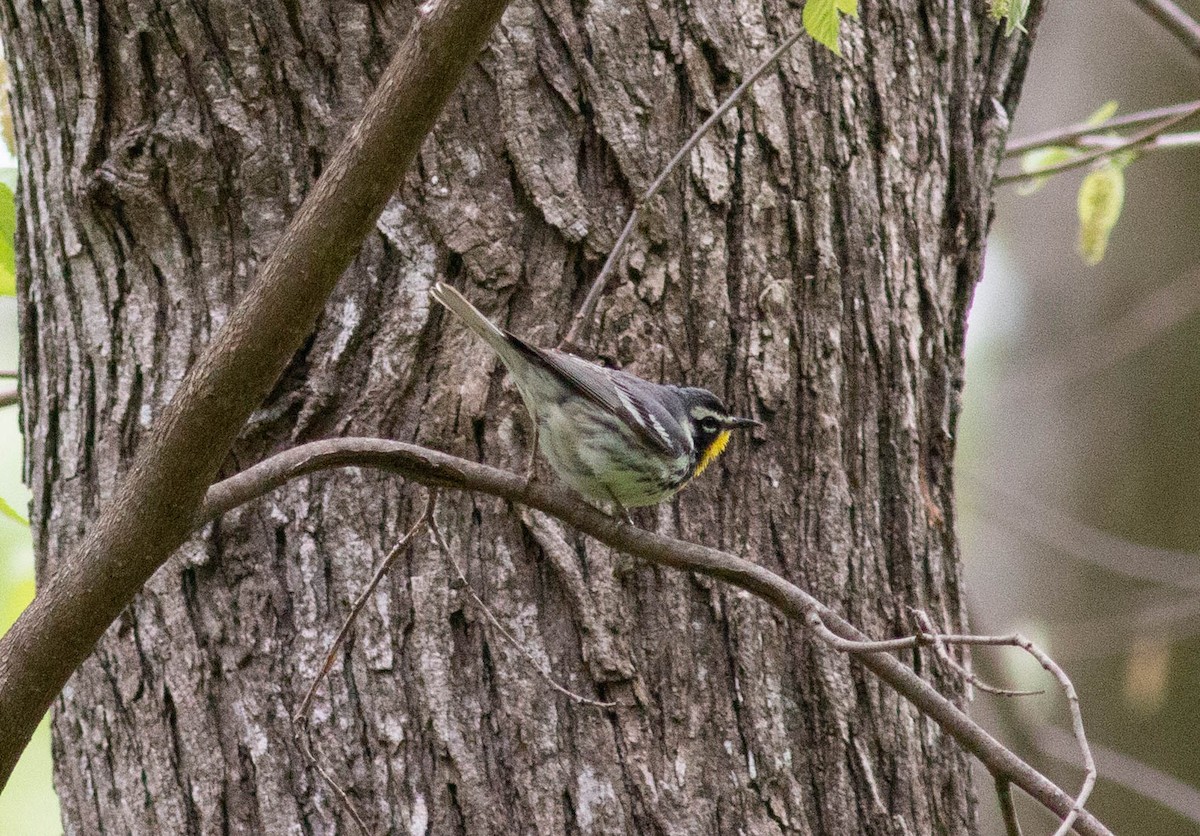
<point>1175,20</point>
<point>583,319</point>
<point>1008,810</point>
<point>1089,763</point>
<point>1167,142</point>
<point>304,745</point>
<point>1120,768</point>
<point>1129,144</point>
<point>524,651</point>
<point>1072,133</point>
<point>815,619</point>
<point>9,397</point>
<point>925,625</point>
<point>302,714</point>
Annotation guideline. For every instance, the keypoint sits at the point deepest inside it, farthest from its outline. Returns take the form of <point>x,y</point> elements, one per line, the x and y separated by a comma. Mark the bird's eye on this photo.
<point>709,424</point>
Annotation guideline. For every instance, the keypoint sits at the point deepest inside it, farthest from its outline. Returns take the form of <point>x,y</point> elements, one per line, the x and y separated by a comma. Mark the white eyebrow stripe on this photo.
<point>699,413</point>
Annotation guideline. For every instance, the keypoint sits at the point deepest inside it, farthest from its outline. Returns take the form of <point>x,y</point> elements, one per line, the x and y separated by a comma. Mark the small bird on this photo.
<point>611,436</point>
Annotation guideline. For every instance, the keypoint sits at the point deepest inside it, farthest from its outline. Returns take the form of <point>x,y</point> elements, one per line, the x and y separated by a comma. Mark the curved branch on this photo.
<point>150,512</point>
<point>436,469</point>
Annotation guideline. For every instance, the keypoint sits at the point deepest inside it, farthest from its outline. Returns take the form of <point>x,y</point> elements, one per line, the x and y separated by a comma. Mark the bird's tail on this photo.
<point>454,301</point>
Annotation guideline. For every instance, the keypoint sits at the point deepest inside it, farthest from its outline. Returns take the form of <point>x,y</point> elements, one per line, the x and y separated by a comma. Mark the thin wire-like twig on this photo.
<point>1071,134</point>
<point>1167,142</point>
<point>588,309</point>
<point>925,625</point>
<point>524,651</point>
<point>305,747</point>
<point>10,397</point>
<point>1130,144</point>
<point>1014,640</point>
<point>301,717</point>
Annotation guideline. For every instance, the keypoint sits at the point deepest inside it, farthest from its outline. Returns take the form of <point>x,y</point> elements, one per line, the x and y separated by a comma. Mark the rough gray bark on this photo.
<point>813,265</point>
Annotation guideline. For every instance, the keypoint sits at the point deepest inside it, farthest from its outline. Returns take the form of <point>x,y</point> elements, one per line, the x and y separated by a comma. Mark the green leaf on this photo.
<point>1105,112</point>
<point>848,7</point>
<point>1100,199</point>
<point>1040,159</point>
<point>10,512</point>
<point>8,212</point>
<point>8,225</point>
<point>8,277</point>
<point>1011,11</point>
<point>820,19</point>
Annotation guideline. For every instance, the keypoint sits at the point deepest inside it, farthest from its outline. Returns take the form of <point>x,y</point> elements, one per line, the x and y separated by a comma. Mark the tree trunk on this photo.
<point>812,264</point>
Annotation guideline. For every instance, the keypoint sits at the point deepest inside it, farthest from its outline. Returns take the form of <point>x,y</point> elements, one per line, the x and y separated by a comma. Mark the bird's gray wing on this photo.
<point>613,391</point>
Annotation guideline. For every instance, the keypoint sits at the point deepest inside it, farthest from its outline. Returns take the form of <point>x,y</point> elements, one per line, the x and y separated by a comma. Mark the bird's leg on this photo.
<point>618,508</point>
<point>531,465</point>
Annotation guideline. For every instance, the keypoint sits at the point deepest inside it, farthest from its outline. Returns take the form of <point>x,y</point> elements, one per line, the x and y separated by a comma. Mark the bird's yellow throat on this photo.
<point>712,452</point>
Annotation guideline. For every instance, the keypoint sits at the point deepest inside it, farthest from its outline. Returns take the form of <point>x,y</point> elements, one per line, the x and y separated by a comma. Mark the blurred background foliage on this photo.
<point>1079,450</point>
<point>1078,470</point>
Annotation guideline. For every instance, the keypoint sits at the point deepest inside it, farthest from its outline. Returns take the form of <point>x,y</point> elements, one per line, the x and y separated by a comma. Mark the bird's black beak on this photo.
<point>732,422</point>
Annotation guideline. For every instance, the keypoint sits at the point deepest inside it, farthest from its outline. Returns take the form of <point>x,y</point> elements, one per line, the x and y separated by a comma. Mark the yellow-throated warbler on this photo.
<point>609,435</point>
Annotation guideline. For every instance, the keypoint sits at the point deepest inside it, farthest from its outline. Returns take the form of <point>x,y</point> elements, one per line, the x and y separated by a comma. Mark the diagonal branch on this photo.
<point>150,512</point>
<point>583,319</point>
<point>1175,20</point>
<point>1077,133</point>
<point>1133,143</point>
<point>441,470</point>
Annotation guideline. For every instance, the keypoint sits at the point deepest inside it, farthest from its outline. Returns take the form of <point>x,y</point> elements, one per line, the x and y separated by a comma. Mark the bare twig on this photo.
<point>1180,140</point>
<point>1178,796</point>
<point>524,651</point>
<point>148,513</point>
<point>926,626</point>
<point>1175,20</point>
<point>1132,143</point>
<point>9,397</point>
<point>306,750</point>
<point>587,310</point>
<point>1089,763</point>
<point>859,646</point>
<point>1072,134</point>
<point>302,715</point>
<point>437,469</point>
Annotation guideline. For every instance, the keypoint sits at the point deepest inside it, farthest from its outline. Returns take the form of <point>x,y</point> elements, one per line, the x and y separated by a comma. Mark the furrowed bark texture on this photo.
<point>812,264</point>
